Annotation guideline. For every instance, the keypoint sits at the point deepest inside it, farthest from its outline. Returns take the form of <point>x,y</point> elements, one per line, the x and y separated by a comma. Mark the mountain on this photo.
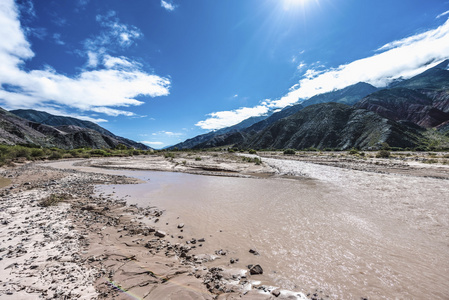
<point>433,79</point>
<point>405,104</point>
<point>422,100</point>
<point>203,138</point>
<point>348,95</point>
<point>72,125</point>
<point>17,130</point>
<point>329,125</point>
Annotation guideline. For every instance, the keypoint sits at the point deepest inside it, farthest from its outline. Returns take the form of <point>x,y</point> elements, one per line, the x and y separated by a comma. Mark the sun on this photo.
<point>291,4</point>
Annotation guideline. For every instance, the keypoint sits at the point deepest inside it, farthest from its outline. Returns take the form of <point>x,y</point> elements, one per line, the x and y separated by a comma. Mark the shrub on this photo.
<point>252,151</point>
<point>169,155</point>
<point>197,158</point>
<point>353,151</point>
<point>383,154</point>
<point>121,147</point>
<point>54,199</point>
<point>55,155</point>
<point>98,152</point>
<point>37,153</point>
<point>20,151</point>
<point>289,152</point>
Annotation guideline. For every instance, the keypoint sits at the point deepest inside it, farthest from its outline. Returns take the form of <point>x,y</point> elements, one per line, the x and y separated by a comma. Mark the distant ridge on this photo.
<point>17,130</point>
<point>62,122</point>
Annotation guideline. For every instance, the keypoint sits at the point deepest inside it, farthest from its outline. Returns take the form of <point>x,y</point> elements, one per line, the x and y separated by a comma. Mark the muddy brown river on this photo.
<point>351,234</point>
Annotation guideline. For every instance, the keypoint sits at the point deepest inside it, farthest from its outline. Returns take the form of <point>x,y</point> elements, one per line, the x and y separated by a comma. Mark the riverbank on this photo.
<point>96,246</point>
<point>88,247</point>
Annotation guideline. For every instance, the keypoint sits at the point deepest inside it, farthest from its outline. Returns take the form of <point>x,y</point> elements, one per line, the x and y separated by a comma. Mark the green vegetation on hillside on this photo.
<point>20,153</point>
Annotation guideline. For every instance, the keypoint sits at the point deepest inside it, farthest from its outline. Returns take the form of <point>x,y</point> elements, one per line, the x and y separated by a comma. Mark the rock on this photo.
<point>256,270</point>
<point>202,240</point>
<point>253,251</point>
<point>160,233</point>
<point>276,293</point>
<point>181,225</point>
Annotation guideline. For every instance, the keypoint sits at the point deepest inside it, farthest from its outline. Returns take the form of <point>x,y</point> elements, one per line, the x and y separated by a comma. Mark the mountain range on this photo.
<point>359,115</point>
<point>31,127</point>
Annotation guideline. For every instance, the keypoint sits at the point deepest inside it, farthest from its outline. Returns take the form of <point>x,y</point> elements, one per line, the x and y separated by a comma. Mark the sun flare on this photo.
<point>290,4</point>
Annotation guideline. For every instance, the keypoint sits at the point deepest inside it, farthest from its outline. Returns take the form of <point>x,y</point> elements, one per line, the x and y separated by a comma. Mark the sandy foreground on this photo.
<point>97,247</point>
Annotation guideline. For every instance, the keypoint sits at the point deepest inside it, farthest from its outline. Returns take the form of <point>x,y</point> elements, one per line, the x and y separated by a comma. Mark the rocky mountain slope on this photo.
<point>16,130</point>
<point>408,107</point>
<point>58,121</point>
<point>328,125</point>
<point>348,95</point>
<point>423,99</point>
<point>204,138</point>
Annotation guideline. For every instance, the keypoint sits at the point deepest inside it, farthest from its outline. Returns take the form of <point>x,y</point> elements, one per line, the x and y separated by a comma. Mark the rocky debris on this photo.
<point>255,269</point>
<point>253,251</point>
<point>181,225</point>
<point>160,233</point>
<point>221,252</point>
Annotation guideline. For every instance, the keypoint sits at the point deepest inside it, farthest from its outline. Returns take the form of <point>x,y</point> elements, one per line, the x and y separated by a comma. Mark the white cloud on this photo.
<point>152,143</point>
<point>169,133</point>
<point>112,112</point>
<point>443,14</point>
<point>111,62</point>
<point>115,33</point>
<point>167,5</point>
<point>404,58</point>
<point>223,119</point>
<point>91,90</point>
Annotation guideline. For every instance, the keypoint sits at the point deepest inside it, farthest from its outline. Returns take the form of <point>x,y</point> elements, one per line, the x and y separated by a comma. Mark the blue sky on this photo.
<point>162,71</point>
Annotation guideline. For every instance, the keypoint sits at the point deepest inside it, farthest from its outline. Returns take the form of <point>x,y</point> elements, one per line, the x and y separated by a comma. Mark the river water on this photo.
<point>311,234</point>
<point>351,234</point>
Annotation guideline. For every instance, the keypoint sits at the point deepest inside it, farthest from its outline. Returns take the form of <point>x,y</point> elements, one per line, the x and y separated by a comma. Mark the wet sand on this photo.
<point>340,233</point>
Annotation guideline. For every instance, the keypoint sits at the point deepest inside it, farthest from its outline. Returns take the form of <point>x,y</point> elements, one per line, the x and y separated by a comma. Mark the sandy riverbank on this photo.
<point>98,247</point>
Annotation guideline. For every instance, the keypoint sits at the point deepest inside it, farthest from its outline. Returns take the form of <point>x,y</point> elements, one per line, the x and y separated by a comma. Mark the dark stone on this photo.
<point>256,270</point>
<point>160,234</point>
<point>253,251</point>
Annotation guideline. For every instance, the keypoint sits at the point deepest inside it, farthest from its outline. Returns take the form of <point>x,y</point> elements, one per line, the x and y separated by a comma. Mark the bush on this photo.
<point>121,147</point>
<point>353,151</point>
<point>37,153</point>
<point>383,154</point>
<point>197,158</point>
<point>289,152</point>
<point>55,155</point>
<point>169,155</point>
<point>252,151</point>
<point>98,152</point>
<point>20,151</point>
<point>53,199</point>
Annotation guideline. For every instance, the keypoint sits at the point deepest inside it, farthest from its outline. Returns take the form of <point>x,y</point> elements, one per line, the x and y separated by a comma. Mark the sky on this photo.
<point>163,71</point>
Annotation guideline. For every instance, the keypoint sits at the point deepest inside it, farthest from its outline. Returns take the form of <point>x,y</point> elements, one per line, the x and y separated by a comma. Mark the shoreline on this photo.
<point>116,249</point>
<point>114,243</point>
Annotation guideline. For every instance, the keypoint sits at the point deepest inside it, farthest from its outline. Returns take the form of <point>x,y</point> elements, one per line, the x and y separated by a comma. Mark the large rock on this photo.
<point>256,270</point>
